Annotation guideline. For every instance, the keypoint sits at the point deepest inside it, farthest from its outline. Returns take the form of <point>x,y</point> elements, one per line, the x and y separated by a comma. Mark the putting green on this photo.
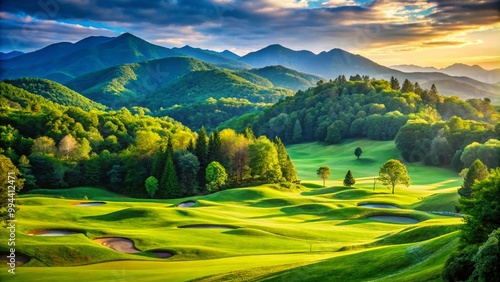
<point>257,233</point>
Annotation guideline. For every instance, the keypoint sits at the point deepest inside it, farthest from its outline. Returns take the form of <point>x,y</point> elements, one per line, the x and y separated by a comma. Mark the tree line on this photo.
<point>63,146</point>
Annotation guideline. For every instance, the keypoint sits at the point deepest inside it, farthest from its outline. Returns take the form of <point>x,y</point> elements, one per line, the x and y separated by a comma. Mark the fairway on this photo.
<point>265,232</point>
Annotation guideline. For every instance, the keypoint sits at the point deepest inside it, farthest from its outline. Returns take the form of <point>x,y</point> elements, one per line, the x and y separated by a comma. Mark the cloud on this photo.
<point>27,32</point>
<point>247,25</point>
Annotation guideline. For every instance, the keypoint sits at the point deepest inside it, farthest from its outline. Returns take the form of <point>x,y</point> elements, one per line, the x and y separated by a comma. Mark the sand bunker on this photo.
<point>20,258</point>
<point>88,204</point>
<point>52,232</point>
<point>207,226</point>
<point>378,206</point>
<point>162,254</point>
<point>186,204</point>
<point>119,244</point>
<point>394,219</point>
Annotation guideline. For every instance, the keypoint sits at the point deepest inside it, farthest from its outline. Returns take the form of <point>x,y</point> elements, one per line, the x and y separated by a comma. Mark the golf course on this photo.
<point>265,233</point>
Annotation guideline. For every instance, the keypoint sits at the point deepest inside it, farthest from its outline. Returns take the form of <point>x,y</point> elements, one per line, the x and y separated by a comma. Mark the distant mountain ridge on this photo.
<point>476,72</point>
<point>10,55</point>
<point>63,62</point>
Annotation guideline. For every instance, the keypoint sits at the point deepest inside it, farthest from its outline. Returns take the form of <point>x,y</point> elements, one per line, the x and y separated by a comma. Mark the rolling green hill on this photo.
<point>287,78</point>
<point>56,92</point>
<point>200,85</point>
<point>126,85</point>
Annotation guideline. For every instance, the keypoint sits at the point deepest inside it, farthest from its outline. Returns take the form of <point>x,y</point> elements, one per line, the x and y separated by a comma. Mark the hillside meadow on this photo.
<point>260,233</point>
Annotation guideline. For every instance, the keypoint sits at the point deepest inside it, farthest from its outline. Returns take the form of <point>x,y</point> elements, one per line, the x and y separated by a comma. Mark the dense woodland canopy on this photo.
<point>426,126</point>
<point>64,146</point>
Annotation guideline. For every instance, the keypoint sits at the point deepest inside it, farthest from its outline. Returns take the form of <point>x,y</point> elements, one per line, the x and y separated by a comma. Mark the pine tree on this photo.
<point>160,158</point>
<point>349,179</point>
<point>190,146</point>
<point>407,87</point>
<point>394,83</point>
<point>434,90</point>
<point>297,132</point>
<point>288,170</point>
<point>249,134</point>
<point>169,181</point>
<point>477,171</point>
<point>25,170</point>
<point>418,89</point>
<point>201,152</point>
<point>214,147</point>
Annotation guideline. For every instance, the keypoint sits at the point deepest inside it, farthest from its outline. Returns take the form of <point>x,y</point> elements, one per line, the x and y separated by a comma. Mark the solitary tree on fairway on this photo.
<point>151,185</point>
<point>358,152</point>
<point>323,173</point>
<point>349,179</point>
<point>392,173</point>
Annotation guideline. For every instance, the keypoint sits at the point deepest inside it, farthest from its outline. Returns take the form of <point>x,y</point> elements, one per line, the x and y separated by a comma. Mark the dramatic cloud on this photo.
<point>356,25</point>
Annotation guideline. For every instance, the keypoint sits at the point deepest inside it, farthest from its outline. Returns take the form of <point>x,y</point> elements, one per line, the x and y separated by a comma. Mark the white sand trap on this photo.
<point>118,244</point>
<point>51,232</point>
<point>186,204</point>
<point>378,206</point>
<point>207,226</point>
<point>88,204</point>
<point>162,254</point>
<point>394,219</point>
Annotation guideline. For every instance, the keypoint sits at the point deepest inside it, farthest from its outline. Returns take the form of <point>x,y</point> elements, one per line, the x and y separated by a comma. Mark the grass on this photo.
<point>312,234</point>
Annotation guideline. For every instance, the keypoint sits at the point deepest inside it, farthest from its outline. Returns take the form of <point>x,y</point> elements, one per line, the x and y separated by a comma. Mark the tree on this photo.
<point>25,170</point>
<point>323,172</point>
<point>477,171</point>
<point>201,152</point>
<point>487,259</point>
<point>358,152</point>
<point>68,146</point>
<point>392,173</point>
<point>288,170</point>
<point>188,166</point>
<point>394,83</point>
<point>151,185</point>
<point>349,179</point>
<point>418,89</point>
<point>169,183</point>
<point>407,87</point>
<point>214,147</point>
<point>216,176</point>
<point>9,177</point>
<point>264,160</point>
<point>479,250</point>
<point>297,132</point>
<point>44,145</point>
<point>434,90</point>
<point>159,161</point>
<point>115,177</point>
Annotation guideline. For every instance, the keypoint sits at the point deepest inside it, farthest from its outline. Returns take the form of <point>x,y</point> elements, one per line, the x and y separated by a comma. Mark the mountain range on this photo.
<point>106,63</point>
<point>476,72</point>
<point>10,55</point>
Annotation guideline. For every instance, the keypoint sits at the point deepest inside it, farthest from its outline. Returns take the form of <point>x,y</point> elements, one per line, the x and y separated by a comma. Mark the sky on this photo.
<point>426,33</point>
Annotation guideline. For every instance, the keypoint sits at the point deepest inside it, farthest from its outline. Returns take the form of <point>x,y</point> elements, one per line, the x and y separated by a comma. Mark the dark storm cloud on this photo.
<point>254,24</point>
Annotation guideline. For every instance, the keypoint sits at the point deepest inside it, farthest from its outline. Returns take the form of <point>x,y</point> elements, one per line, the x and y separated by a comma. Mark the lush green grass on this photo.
<point>313,234</point>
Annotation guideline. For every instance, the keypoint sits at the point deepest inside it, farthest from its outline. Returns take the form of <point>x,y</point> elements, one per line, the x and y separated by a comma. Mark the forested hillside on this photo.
<point>56,92</point>
<point>427,126</point>
<point>65,146</point>
<point>219,83</point>
<point>126,85</point>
